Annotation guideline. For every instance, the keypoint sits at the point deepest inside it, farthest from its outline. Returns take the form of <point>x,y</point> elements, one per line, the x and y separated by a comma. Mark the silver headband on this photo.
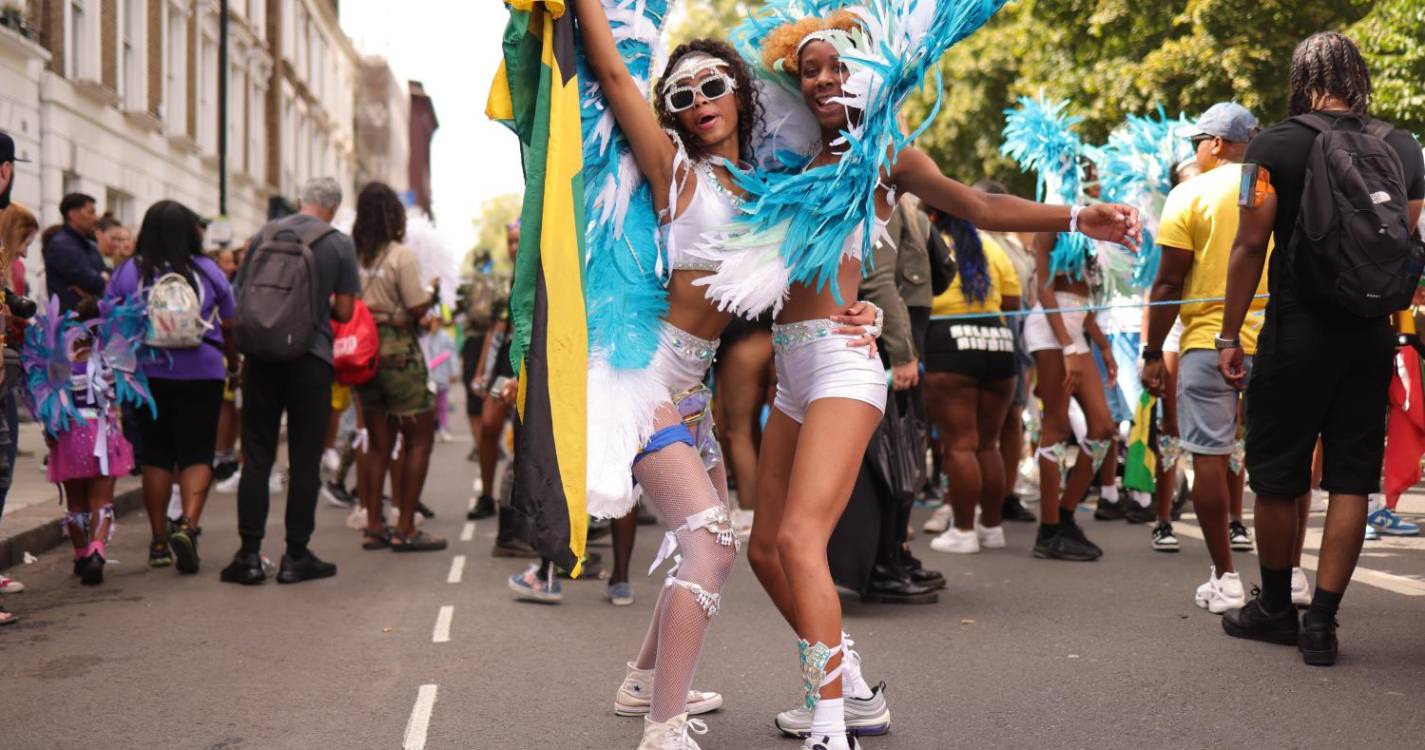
<point>835,37</point>
<point>694,63</point>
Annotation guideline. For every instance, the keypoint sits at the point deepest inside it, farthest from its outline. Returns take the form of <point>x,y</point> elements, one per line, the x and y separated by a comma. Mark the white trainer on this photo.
<point>991,537</point>
<point>1203,596</point>
<point>957,542</point>
<point>1229,594</point>
<point>9,585</point>
<point>229,486</point>
<point>331,461</point>
<point>843,742</point>
<point>939,520</point>
<point>673,734</point>
<point>635,695</point>
<point>1300,588</point>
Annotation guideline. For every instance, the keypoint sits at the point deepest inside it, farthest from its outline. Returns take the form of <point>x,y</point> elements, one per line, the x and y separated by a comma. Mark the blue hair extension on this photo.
<point>624,298</point>
<point>973,269</point>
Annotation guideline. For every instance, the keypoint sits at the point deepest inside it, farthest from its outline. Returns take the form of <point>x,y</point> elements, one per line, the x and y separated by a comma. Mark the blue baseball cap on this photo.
<point>1229,121</point>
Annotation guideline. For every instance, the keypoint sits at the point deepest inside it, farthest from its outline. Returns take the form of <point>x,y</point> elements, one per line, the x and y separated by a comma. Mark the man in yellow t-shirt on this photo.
<point>1198,227</point>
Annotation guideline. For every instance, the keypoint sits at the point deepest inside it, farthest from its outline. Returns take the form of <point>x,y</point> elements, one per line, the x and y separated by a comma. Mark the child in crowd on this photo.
<point>439,349</point>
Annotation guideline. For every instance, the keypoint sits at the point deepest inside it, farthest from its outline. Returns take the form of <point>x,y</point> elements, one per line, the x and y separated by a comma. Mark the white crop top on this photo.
<point>692,239</point>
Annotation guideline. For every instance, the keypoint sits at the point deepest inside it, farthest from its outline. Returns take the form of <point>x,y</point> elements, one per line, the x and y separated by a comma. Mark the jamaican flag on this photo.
<point>1141,471</point>
<point>536,94</point>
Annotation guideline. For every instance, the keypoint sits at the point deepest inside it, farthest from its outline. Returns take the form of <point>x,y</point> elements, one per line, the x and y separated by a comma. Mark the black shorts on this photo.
<point>1312,379</point>
<point>186,428</point>
<point>982,349</point>
<point>469,360</point>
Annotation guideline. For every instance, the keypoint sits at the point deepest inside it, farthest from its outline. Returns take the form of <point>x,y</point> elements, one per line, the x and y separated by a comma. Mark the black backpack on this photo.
<point>277,297</point>
<point>1352,248</point>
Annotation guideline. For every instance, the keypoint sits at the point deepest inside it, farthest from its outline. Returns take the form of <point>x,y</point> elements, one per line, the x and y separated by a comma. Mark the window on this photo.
<point>208,94</point>
<point>121,205</point>
<point>175,73</point>
<point>82,40</point>
<point>132,51</point>
<point>257,18</point>
<point>256,106</point>
<point>236,87</point>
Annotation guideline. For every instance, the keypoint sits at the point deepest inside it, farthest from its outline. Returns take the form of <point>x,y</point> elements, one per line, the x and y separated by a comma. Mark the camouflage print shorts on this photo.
<point>401,387</point>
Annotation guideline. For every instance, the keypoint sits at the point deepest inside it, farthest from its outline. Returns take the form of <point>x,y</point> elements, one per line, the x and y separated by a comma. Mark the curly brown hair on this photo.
<point>781,45</point>
<point>749,107</point>
<point>380,220</point>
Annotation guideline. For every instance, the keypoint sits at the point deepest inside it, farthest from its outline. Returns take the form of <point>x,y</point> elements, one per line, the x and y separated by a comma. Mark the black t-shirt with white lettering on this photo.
<point>1284,150</point>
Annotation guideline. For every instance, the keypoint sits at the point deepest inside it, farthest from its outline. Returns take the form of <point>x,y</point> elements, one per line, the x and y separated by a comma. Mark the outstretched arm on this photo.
<point>918,174</point>
<point>652,148</point>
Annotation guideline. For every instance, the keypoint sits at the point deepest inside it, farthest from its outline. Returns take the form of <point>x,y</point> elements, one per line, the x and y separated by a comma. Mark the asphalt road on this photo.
<point>1018,653</point>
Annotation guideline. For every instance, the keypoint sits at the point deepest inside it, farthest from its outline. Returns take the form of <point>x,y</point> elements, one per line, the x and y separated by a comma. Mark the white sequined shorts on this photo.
<point>814,362</point>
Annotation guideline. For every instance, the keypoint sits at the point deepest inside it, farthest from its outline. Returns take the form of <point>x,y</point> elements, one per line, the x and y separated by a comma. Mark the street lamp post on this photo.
<point>223,108</point>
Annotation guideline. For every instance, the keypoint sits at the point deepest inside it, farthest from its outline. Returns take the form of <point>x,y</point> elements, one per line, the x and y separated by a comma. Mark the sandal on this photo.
<point>374,540</point>
<point>417,542</point>
<point>7,617</point>
<point>159,555</point>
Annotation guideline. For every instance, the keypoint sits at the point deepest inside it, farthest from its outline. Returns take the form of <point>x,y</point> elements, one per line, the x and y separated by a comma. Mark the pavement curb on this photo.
<point>49,534</point>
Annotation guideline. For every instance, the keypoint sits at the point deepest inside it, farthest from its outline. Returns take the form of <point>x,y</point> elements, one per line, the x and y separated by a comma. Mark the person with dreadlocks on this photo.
<point>970,367</point>
<point>851,71</point>
<point>705,109</point>
<point>1324,359</point>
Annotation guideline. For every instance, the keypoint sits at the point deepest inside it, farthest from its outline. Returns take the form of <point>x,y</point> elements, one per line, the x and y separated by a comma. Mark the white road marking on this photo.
<point>1399,584</point>
<point>467,533</point>
<point>442,624</point>
<point>419,722</point>
<point>457,569</point>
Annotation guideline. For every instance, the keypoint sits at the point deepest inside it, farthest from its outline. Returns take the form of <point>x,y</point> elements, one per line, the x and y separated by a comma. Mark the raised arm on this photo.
<point>917,173</point>
<point>652,148</point>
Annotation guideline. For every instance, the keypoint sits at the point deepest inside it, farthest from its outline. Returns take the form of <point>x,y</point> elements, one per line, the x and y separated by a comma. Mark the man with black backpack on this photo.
<point>298,275</point>
<point>1340,193</point>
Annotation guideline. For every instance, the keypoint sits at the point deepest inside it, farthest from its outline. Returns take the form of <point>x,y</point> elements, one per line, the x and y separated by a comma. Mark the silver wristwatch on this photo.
<point>1222,343</point>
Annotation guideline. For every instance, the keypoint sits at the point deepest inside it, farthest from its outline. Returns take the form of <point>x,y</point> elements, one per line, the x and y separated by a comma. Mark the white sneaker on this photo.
<point>865,717</point>
<point>1300,588</point>
<point>9,585</point>
<point>1203,596</point>
<point>276,480</point>
<point>443,436</point>
<point>1229,594</point>
<point>229,486</point>
<point>843,742</point>
<point>635,695</point>
<point>1371,534</point>
<point>991,537</point>
<point>957,542</point>
<point>331,461</point>
<point>939,520</point>
<point>673,734</point>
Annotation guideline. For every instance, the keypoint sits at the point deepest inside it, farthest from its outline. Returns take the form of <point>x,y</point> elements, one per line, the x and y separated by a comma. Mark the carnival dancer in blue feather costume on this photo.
<point>649,411</point>
<point>853,70</point>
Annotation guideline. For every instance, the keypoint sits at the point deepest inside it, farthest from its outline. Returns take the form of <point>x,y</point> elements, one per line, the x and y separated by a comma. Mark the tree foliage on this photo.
<point>1112,58</point>
<point>495,213</point>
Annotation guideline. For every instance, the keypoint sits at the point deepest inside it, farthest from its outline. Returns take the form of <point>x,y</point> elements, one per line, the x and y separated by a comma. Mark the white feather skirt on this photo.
<point>622,406</point>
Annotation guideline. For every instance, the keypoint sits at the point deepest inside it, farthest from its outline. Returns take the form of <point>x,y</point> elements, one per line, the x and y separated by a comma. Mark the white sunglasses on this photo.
<point>715,86</point>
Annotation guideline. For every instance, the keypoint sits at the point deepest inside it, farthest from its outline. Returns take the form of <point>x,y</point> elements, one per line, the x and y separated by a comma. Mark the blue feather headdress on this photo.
<point>1136,168</point>
<point>797,222</point>
<point>623,295</point>
<point>49,368</point>
<point>1040,136</point>
<point>120,333</point>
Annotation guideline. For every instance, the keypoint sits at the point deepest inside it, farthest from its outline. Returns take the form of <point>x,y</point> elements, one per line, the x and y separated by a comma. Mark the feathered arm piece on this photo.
<point>624,297</point>
<point>118,341</point>
<point>1136,168</point>
<point>437,259</point>
<point>1040,136</point>
<point>48,369</point>
<point>811,214</point>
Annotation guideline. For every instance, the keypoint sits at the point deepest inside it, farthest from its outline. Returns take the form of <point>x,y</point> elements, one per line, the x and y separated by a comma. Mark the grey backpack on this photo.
<point>277,297</point>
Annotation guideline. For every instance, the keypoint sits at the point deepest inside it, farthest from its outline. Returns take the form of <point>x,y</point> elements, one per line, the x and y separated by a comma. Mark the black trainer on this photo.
<point>1069,527</point>
<point>424,510</point>
<point>1254,623</point>
<point>1064,546</point>
<point>892,584</point>
<point>512,546</point>
<point>932,579</point>
<point>1135,513</point>
<point>484,508</point>
<point>1109,510</point>
<point>307,568</point>
<point>1317,642</point>
<point>246,569</point>
<point>184,543</point>
<point>92,571</point>
<point>1014,510</point>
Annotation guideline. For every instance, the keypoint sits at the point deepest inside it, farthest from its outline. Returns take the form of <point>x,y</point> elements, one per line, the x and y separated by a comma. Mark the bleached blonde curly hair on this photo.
<point>780,50</point>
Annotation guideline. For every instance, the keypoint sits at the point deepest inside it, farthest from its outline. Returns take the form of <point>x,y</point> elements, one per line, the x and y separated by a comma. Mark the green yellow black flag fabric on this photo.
<point>536,93</point>
<point>1141,470</point>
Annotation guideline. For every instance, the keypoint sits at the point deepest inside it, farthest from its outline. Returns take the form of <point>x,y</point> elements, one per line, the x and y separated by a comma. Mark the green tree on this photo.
<point>495,214</point>
<point>691,19</point>
<point>1392,38</point>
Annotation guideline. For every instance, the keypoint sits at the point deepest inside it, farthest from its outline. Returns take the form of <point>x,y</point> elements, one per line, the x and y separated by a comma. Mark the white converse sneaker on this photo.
<point>843,742</point>
<point>1300,588</point>
<point>229,486</point>
<point>635,695</point>
<point>957,542</point>
<point>991,537</point>
<point>1229,594</point>
<point>673,734</point>
<point>939,520</point>
<point>1203,596</point>
<point>864,716</point>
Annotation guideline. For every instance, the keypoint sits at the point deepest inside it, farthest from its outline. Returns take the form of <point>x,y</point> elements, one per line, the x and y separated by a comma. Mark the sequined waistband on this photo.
<point>784,337</point>
<point>687,346</point>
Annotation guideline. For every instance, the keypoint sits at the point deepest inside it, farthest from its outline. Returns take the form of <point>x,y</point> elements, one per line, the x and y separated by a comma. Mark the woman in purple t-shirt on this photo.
<point>187,383</point>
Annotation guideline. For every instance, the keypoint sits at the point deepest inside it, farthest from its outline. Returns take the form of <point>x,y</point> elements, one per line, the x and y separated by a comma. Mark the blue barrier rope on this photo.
<point>1086,308</point>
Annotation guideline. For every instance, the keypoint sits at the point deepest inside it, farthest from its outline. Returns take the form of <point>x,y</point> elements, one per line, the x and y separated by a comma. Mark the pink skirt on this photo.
<point>72,456</point>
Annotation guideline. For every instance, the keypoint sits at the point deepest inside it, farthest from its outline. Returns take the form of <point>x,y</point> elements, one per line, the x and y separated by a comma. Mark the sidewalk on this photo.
<point>33,511</point>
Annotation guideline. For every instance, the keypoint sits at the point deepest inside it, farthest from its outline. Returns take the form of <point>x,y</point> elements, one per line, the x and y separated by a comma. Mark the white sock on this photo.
<point>829,719</point>
<point>1142,498</point>
<point>1109,493</point>
<point>852,683</point>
